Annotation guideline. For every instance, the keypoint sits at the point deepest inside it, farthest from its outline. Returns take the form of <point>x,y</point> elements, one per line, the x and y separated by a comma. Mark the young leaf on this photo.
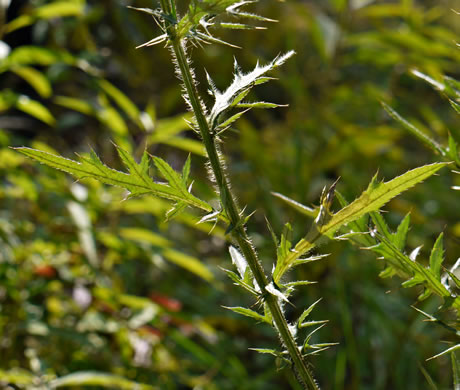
<point>275,292</point>
<point>240,87</point>
<point>238,260</point>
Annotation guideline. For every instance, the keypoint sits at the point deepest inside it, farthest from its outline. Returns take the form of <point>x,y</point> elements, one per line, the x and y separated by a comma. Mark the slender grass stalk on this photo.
<point>236,217</point>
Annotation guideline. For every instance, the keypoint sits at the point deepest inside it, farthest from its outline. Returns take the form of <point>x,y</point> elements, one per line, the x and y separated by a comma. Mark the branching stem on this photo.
<point>229,204</point>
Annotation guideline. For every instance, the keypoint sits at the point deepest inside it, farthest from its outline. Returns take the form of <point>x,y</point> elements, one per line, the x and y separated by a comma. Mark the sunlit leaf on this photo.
<point>35,109</point>
<point>239,88</point>
<point>36,79</point>
<point>122,100</point>
<point>57,9</point>
<point>92,167</point>
<point>183,260</point>
<point>376,195</point>
<point>94,378</point>
<point>17,377</point>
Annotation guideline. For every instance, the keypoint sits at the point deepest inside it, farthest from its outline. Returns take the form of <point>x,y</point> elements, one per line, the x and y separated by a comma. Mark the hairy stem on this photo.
<point>235,216</point>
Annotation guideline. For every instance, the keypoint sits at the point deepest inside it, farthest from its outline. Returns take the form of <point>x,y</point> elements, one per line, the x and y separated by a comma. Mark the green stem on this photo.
<point>228,202</point>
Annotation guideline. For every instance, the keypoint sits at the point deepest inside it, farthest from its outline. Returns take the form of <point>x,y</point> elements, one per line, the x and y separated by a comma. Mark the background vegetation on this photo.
<point>89,282</point>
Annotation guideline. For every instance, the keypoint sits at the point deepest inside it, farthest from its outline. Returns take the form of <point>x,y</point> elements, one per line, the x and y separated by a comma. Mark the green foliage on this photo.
<point>137,182</point>
<point>326,223</point>
<point>89,281</point>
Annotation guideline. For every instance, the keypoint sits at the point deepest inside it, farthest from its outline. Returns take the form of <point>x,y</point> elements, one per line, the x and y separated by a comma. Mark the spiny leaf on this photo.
<point>235,11</point>
<point>437,257</point>
<point>308,211</point>
<point>275,292</point>
<point>401,233</point>
<point>247,313</point>
<point>445,352</point>
<point>236,279</point>
<point>306,313</point>
<point>420,274</point>
<point>238,26</point>
<point>238,260</point>
<point>381,225</point>
<point>136,182</point>
<point>240,87</point>
<point>298,283</point>
<point>273,352</point>
<point>186,171</point>
<point>225,124</point>
<point>176,210</point>
<point>378,194</point>
<point>205,14</point>
<point>259,105</point>
<point>169,174</point>
<point>431,143</point>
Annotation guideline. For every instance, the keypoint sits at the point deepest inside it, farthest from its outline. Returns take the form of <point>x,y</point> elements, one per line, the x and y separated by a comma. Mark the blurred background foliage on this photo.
<point>95,288</point>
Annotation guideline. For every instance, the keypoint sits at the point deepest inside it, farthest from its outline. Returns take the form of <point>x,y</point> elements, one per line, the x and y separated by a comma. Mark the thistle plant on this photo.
<point>271,290</point>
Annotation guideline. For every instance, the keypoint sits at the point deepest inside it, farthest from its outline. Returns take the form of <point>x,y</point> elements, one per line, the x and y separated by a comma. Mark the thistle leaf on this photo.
<point>260,105</point>
<point>239,282</point>
<point>428,141</point>
<point>306,313</point>
<point>248,313</point>
<point>275,292</point>
<point>240,87</point>
<point>401,233</point>
<point>136,182</point>
<point>445,352</point>
<point>186,171</point>
<point>238,260</point>
<point>437,257</point>
<point>225,124</point>
<point>308,211</point>
<point>273,352</point>
<point>377,195</point>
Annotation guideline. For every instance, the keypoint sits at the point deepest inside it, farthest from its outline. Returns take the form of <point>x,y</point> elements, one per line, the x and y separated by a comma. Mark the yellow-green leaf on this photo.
<point>94,378</point>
